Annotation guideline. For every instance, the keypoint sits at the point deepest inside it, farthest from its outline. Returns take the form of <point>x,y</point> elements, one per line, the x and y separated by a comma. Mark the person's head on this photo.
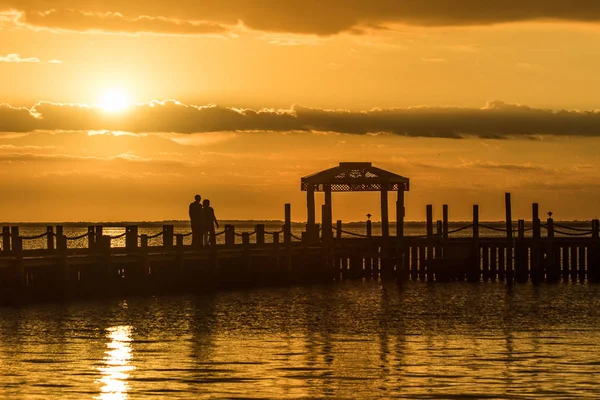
<point>206,203</point>
<point>197,197</point>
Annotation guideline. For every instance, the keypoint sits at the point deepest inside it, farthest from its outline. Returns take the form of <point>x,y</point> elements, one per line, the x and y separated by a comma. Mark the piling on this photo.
<point>260,234</point>
<point>91,236</point>
<point>473,272</point>
<point>429,262</point>
<point>536,270</point>
<point>50,237</point>
<point>593,259</point>
<point>509,239</point>
<point>229,235</point>
<point>6,240</point>
<point>521,254</point>
<point>168,233</point>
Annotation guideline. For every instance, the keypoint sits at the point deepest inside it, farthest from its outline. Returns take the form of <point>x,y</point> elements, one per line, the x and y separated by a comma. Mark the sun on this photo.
<point>114,100</point>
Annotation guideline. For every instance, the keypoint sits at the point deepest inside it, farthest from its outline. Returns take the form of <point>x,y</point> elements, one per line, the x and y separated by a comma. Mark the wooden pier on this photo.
<point>545,251</point>
<point>58,271</point>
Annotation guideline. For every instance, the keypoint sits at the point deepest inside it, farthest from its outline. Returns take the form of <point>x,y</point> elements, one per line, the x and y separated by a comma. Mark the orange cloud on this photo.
<point>496,120</point>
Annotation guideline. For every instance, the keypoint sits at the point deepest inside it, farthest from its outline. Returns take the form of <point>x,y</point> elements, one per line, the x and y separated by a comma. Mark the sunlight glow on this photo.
<point>114,100</point>
<point>115,371</point>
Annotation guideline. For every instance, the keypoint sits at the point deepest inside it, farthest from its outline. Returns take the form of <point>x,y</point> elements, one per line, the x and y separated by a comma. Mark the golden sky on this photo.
<point>123,110</point>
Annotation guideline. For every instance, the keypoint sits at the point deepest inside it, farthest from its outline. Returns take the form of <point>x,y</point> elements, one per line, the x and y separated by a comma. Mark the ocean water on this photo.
<point>350,340</point>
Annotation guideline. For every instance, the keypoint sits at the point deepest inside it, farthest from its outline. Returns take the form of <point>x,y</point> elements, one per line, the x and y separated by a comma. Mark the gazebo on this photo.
<point>354,177</point>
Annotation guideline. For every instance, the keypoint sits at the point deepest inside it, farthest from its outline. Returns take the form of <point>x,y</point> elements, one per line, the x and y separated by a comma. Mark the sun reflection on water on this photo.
<point>116,368</point>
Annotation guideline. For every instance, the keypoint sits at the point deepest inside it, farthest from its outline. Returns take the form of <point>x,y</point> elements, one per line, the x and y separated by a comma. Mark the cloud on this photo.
<point>16,58</point>
<point>496,120</point>
<point>24,157</point>
<point>492,165</point>
<point>82,21</point>
<point>324,17</point>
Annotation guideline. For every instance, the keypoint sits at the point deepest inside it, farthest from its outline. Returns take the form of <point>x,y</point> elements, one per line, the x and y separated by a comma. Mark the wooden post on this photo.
<point>429,262</point>
<point>429,221</point>
<point>474,273</point>
<point>475,222</point>
<point>260,234</point>
<point>386,265</point>
<point>509,237</point>
<point>593,254</point>
<point>179,241</point>
<point>536,273</point>
<point>550,228</point>
<point>168,236</point>
<point>521,262</point>
<point>310,205</point>
<point>17,242</point>
<point>438,239</point>
<point>91,236</point>
<point>287,227</point>
<point>17,252</point>
<point>551,265</point>
<point>326,220</point>
<point>50,237</point>
<point>521,229</point>
<point>400,272</point>
<point>245,239</point>
<point>276,238</point>
<point>144,252</point>
<point>131,237</point>
<point>61,243</point>
<point>6,239</point>
<point>400,212</point>
<point>14,237</point>
<point>445,222</point>
<point>385,227</point>
<point>369,228</point>
<point>144,241</point>
<point>229,235</point>
<point>99,234</point>
<point>338,229</point>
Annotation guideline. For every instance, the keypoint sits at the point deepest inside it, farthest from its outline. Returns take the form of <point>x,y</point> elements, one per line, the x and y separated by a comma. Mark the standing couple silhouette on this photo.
<point>203,220</point>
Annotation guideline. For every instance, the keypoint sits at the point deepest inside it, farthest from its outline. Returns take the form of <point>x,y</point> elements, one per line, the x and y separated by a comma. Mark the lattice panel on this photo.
<point>355,187</point>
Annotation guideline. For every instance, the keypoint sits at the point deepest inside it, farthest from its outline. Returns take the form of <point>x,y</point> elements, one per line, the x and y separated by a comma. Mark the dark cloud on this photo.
<point>496,120</point>
<point>323,17</point>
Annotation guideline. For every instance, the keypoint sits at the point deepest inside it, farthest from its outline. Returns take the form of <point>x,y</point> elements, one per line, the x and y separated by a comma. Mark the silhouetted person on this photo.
<point>196,214</point>
<point>209,220</point>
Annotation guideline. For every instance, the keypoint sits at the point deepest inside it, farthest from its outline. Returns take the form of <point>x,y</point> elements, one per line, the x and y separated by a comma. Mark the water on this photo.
<point>351,340</point>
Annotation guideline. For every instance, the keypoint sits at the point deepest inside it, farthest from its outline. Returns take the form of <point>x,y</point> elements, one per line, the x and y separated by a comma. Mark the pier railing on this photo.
<point>473,250</point>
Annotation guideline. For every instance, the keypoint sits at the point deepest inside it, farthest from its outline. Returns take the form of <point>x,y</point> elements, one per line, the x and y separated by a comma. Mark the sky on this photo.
<point>124,110</point>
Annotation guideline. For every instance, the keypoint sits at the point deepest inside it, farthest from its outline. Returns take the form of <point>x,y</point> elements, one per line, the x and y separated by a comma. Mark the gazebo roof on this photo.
<point>355,177</point>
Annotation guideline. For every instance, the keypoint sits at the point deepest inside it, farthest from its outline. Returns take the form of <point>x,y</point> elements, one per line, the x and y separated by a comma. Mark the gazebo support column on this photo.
<point>387,266</point>
<point>385,225</point>
<point>310,219</point>
<point>329,211</point>
<point>400,273</point>
<point>400,214</point>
